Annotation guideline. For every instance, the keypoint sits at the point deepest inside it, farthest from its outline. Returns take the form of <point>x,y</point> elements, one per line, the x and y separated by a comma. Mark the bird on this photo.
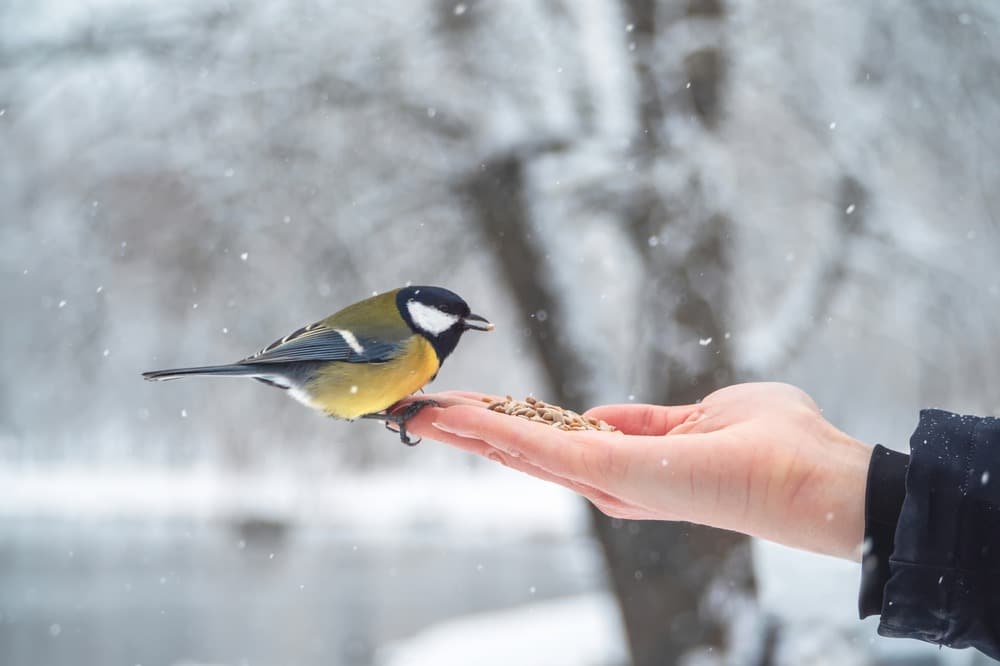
<point>362,360</point>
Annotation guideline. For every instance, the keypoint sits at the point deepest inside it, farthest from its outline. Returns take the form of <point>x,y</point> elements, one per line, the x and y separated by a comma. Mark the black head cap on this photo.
<point>438,314</point>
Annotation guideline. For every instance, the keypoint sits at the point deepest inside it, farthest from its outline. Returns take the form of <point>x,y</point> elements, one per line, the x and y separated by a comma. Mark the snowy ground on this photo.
<point>493,508</point>
<point>575,631</point>
<point>483,503</point>
<point>485,566</point>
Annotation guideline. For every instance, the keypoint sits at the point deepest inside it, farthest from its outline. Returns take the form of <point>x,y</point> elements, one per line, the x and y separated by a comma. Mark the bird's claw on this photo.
<point>403,436</point>
<point>401,419</point>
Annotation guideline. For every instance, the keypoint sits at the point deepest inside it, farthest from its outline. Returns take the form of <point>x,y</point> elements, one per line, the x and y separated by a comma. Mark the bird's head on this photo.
<point>439,315</point>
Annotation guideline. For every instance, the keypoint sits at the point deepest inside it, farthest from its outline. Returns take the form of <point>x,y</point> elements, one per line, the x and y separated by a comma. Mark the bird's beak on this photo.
<point>477,323</point>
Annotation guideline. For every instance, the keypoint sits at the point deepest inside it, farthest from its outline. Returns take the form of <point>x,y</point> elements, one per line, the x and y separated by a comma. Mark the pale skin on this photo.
<point>753,458</point>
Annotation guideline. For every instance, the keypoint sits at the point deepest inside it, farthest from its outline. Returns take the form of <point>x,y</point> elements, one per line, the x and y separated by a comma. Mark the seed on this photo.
<point>533,409</point>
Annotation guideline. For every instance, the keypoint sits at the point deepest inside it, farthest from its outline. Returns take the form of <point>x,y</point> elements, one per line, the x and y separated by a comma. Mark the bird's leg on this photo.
<point>401,419</point>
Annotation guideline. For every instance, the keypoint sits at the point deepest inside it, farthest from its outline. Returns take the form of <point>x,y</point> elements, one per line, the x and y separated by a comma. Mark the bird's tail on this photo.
<point>231,370</point>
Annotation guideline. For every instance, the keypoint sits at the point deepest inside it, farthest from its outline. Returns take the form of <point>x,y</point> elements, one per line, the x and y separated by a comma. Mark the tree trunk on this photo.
<point>660,571</point>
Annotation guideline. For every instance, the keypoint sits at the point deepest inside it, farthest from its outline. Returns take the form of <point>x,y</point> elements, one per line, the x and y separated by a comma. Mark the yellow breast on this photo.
<point>351,390</point>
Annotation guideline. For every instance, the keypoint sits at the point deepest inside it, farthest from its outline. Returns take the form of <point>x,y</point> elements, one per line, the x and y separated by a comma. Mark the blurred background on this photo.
<point>650,199</point>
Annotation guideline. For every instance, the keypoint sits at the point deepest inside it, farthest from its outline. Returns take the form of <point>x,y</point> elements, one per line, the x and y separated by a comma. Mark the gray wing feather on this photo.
<point>318,342</point>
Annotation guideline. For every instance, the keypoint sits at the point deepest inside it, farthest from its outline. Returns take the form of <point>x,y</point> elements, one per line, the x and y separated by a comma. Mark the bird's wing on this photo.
<point>319,342</point>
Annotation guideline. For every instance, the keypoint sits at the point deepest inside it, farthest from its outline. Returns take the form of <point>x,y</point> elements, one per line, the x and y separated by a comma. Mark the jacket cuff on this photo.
<point>884,497</point>
<point>945,582</point>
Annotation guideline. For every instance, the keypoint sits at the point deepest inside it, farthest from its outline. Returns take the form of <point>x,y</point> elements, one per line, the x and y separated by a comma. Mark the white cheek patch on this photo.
<point>430,319</point>
<point>351,340</point>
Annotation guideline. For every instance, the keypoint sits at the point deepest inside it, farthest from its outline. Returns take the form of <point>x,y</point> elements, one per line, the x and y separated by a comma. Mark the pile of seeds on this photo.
<point>533,409</point>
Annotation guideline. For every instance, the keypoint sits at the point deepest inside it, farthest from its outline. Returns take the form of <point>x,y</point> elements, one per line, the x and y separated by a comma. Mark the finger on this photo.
<point>605,498</point>
<point>622,511</point>
<point>472,395</point>
<point>427,425</point>
<point>422,422</point>
<point>422,425</point>
<point>554,450</point>
<point>520,464</point>
<point>644,419</point>
<point>449,398</point>
<point>481,448</point>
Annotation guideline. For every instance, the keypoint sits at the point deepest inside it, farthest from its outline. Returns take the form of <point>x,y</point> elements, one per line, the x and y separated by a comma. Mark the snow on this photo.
<point>584,630</point>
<point>491,502</point>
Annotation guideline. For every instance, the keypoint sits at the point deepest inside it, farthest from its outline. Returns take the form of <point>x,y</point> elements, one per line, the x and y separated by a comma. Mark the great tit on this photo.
<point>362,360</point>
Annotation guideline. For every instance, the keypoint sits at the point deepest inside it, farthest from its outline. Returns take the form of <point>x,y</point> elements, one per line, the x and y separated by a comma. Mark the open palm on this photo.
<point>755,458</point>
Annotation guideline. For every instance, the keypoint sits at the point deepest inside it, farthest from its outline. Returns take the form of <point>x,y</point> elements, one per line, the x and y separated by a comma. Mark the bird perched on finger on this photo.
<point>361,361</point>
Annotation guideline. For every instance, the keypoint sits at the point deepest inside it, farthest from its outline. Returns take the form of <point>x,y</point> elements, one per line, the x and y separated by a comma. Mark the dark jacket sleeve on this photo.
<point>933,573</point>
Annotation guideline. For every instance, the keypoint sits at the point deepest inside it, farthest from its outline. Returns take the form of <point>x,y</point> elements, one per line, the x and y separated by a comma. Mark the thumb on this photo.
<point>634,419</point>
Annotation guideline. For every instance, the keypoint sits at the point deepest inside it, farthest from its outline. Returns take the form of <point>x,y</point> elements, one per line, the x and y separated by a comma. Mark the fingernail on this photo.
<point>449,430</point>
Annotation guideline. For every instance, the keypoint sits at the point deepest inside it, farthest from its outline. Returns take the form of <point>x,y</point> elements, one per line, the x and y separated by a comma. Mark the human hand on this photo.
<point>754,458</point>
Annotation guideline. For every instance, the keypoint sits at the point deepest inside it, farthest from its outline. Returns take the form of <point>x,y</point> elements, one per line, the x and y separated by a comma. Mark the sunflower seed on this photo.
<point>533,409</point>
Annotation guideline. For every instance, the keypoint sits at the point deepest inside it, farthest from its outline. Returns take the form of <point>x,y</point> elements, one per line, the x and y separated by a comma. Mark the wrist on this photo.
<point>827,515</point>
<point>847,524</point>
